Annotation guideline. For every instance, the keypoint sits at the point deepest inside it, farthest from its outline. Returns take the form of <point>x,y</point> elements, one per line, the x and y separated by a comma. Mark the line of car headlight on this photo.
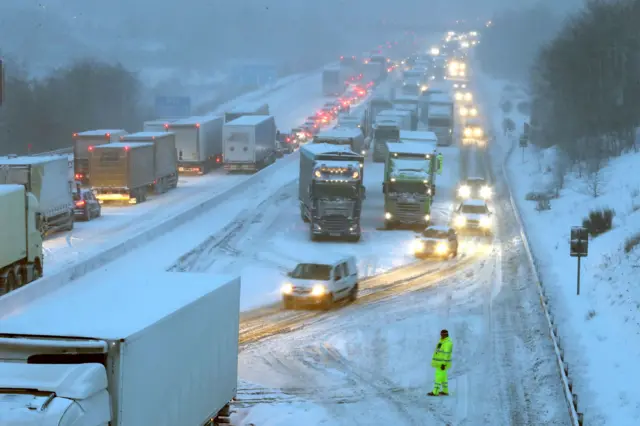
<point>464,191</point>
<point>419,246</point>
<point>461,221</point>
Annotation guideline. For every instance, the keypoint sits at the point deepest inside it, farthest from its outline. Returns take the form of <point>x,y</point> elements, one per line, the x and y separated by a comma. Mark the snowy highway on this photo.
<point>369,362</point>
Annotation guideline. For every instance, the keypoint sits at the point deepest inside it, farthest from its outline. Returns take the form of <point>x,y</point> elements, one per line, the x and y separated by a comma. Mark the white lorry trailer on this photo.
<point>418,136</point>
<point>352,138</point>
<point>199,143</point>
<point>154,348</point>
<point>21,247</point>
<point>158,125</point>
<point>249,143</point>
<point>83,142</point>
<point>256,108</point>
<point>164,157</point>
<point>48,179</point>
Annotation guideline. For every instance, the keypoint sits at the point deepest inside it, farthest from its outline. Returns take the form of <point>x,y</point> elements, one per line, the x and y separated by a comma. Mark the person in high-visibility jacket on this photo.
<point>441,361</point>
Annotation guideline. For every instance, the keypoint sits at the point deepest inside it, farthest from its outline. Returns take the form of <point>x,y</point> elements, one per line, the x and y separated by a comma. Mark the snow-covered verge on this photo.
<point>599,329</point>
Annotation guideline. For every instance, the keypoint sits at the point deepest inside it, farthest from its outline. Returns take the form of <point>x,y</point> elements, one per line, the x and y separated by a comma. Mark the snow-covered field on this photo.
<point>600,328</point>
<point>290,105</point>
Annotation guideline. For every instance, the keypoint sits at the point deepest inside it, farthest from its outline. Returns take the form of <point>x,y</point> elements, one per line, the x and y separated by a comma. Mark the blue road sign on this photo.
<point>255,74</point>
<point>173,106</point>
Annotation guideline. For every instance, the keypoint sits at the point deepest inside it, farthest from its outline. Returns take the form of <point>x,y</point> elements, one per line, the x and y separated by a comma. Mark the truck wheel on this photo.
<point>19,279</point>
<point>37,270</point>
<point>303,217</point>
<point>9,282</point>
<point>353,294</point>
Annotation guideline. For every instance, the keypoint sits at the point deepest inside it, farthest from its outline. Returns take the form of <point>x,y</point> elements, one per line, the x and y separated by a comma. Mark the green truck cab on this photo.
<point>409,183</point>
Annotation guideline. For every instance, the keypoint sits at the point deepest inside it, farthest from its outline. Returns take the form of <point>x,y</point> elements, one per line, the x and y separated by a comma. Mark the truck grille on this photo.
<point>409,212</point>
<point>334,223</point>
<point>339,209</point>
<point>473,223</point>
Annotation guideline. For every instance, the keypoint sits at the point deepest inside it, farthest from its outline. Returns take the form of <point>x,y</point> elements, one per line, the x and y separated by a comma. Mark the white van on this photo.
<point>321,282</point>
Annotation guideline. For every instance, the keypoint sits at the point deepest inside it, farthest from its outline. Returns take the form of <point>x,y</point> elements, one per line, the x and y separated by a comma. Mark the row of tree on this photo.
<point>582,72</point>
<point>585,87</point>
<point>41,115</point>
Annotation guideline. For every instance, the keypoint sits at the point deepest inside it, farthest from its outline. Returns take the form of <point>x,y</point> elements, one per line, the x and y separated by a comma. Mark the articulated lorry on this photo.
<point>48,179</point>
<point>256,108</point>
<point>409,183</point>
<point>249,143</point>
<point>411,104</point>
<point>198,142</point>
<point>353,138</point>
<point>21,258</point>
<point>165,158</point>
<point>441,117</point>
<point>145,348</point>
<point>122,172</point>
<point>333,81</point>
<point>387,127</point>
<point>82,143</point>
<point>331,190</point>
<point>375,106</point>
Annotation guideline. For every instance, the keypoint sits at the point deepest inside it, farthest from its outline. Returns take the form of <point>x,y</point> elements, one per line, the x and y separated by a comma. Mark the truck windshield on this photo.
<point>408,187</point>
<point>410,165</point>
<point>387,134</point>
<point>312,271</point>
<point>334,190</point>
<point>439,122</point>
<point>470,209</point>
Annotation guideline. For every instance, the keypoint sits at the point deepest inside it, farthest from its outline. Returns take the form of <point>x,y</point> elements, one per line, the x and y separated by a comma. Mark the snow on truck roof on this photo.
<point>410,148</point>
<point>101,132</point>
<point>144,135</point>
<point>123,145</point>
<point>248,120</point>
<point>25,160</point>
<point>125,307</point>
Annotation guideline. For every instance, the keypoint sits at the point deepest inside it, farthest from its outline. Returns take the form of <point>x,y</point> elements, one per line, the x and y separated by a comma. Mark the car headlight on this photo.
<point>473,112</point>
<point>464,191</point>
<point>318,290</point>
<point>478,132</point>
<point>461,73</point>
<point>468,97</point>
<point>427,218</point>
<point>459,96</point>
<point>485,222</point>
<point>485,192</point>
<point>287,288</point>
<point>387,215</point>
<point>442,248</point>
<point>468,132</point>
<point>464,112</point>
<point>417,246</point>
<point>461,221</point>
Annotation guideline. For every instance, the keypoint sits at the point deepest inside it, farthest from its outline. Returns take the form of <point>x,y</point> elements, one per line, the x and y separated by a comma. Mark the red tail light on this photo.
<point>218,159</point>
<point>80,203</point>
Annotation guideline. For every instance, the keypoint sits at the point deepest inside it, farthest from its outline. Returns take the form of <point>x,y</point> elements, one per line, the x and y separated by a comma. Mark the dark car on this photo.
<point>436,241</point>
<point>86,205</point>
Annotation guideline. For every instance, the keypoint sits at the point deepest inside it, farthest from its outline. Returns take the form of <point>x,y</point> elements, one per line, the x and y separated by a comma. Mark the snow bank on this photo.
<point>599,330</point>
<point>50,283</point>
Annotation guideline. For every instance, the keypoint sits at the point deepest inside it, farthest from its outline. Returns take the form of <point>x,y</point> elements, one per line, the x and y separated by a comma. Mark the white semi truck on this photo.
<point>48,179</point>
<point>249,143</point>
<point>83,142</point>
<point>164,157</point>
<point>199,143</point>
<point>147,348</point>
<point>21,248</point>
<point>353,138</point>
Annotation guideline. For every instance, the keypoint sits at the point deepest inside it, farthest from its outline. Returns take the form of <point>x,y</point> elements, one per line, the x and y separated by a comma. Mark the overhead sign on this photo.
<point>173,106</point>
<point>255,74</point>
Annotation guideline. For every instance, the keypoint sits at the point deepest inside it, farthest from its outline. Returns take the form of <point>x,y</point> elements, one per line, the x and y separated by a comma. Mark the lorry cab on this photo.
<point>321,282</point>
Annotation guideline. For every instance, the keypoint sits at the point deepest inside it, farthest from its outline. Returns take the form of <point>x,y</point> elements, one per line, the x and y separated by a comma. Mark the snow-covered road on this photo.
<point>369,363</point>
<point>290,104</point>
